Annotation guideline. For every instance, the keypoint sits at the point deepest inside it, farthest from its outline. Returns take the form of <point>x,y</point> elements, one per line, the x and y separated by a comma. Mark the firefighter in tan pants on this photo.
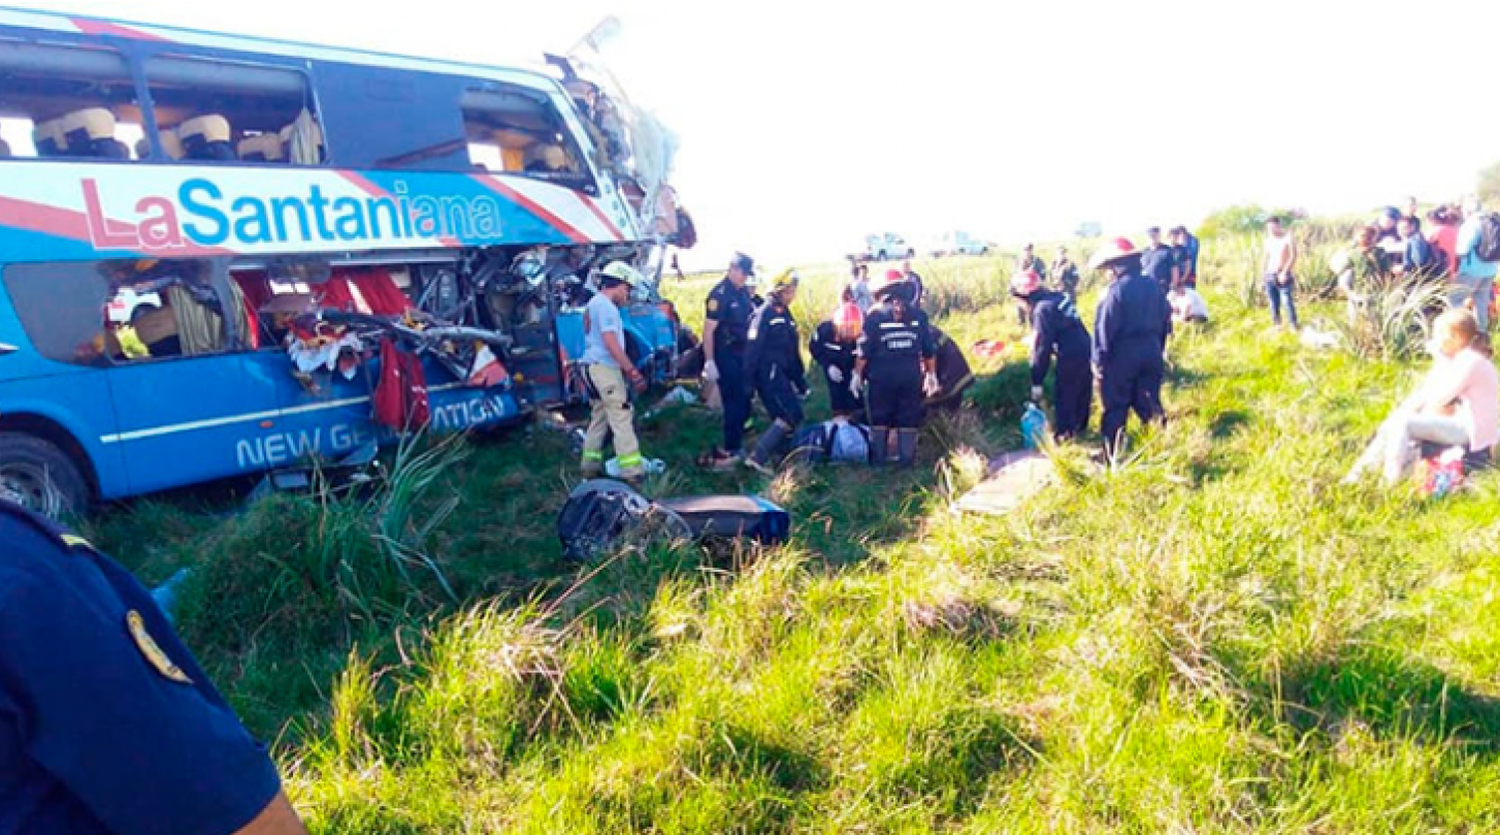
<point>609,370</point>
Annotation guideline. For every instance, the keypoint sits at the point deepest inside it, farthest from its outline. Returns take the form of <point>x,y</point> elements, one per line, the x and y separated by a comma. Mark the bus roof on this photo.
<point>85,25</point>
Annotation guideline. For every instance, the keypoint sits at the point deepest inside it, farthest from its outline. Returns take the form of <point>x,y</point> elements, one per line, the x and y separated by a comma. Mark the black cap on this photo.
<point>744,262</point>
<point>607,280</point>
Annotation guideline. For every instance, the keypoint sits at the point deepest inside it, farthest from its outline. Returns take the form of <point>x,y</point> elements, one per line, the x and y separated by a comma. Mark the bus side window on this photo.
<point>217,111</point>
<point>122,311</point>
<point>518,131</point>
<point>65,101</point>
<point>400,120</point>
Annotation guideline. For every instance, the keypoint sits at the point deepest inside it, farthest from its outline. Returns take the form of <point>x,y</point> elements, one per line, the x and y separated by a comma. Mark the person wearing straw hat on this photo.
<point>1131,326</point>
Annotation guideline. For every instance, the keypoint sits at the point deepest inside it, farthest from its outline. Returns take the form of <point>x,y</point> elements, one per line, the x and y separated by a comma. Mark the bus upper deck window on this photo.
<point>519,131</point>
<point>217,111</point>
<point>67,101</point>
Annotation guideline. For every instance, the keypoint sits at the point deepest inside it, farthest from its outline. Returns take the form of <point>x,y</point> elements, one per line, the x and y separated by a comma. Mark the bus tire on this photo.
<point>37,475</point>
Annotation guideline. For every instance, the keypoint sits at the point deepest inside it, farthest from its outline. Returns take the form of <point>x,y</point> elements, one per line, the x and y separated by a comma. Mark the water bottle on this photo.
<point>1033,426</point>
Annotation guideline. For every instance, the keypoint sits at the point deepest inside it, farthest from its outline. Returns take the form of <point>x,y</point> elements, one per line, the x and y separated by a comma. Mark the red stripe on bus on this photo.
<point>568,230</point>
<point>99,27</point>
<point>364,185</point>
<point>593,206</point>
<point>74,226</point>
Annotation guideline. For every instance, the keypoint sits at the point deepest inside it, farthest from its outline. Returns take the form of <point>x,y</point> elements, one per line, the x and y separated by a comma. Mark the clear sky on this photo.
<point>805,125</point>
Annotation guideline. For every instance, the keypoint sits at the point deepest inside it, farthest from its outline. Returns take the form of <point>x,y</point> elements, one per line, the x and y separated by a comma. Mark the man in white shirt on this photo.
<point>1281,261</point>
<point>606,367</point>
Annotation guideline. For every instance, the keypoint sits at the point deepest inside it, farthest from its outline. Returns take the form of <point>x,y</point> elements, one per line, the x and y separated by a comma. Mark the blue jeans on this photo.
<point>1465,288</point>
<point>1281,294</point>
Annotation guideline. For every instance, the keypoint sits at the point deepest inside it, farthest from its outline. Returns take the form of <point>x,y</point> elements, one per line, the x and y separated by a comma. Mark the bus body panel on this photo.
<point>140,209</point>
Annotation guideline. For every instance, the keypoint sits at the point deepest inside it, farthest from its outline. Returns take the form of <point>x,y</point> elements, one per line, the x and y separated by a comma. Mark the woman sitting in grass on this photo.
<point>1458,404</point>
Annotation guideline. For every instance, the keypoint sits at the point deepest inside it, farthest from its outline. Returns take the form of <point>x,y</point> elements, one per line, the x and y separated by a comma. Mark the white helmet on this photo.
<point>619,272</point>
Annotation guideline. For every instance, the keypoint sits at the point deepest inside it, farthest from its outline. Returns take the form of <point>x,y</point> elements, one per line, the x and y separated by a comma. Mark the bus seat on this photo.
<point>546,156</point>
<point>91,133</point>
<point>206,138</point>
<point>266,147</point>
<point>142,148</point>
<point>48,138</point>
<point>170,143</point>
<point>4,149</point>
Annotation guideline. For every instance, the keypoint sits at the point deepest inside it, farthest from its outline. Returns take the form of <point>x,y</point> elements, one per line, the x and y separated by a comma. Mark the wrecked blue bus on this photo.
<point>224,256</point>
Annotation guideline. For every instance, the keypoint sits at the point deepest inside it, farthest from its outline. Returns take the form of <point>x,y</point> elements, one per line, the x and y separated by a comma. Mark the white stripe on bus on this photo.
<point>191,426</point>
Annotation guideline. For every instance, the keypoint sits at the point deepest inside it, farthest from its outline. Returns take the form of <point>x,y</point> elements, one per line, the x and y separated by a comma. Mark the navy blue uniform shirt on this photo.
<point>1058,331</point>
<point>774,346</point>
<point>892,343</point>
<point>1133,316</point>
<point>828,350</point>
<point>107,724</point>
<point>1157,262</point>
<point>731,307</point>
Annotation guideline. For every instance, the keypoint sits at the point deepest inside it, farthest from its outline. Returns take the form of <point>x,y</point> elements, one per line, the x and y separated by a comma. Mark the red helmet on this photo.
<point>1112,251</point>
<point>1025,283</point>
<point>892,280</point>
<point>848,322</point>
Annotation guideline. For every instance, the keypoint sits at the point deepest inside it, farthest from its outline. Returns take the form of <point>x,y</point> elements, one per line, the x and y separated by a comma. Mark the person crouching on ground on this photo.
<point>1458,404</point>
<point>1188,305</point>
<point>833,345</point>
<point>773,360</point>
<point>1131,326</point>
<point>607,367</point>
<point>898,356</point>
<point>1057,331</point>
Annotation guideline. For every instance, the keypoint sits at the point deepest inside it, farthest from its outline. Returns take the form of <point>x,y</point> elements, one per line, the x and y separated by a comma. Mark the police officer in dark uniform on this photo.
<point>1131,326</point>
<point>897,355</point>
<point>726,332</point>
<point>108,726</point>
<point>1057,331</point>
<point>833,345</point>
<point>773,360</point>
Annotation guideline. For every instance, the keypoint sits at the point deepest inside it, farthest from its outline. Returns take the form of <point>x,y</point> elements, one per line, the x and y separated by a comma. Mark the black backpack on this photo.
<point>1488,247</point>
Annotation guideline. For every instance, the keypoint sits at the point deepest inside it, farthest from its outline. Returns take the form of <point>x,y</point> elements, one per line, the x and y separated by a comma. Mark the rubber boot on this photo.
<point>765,449</point>
<point>880,444</point>
<point>906,446</point>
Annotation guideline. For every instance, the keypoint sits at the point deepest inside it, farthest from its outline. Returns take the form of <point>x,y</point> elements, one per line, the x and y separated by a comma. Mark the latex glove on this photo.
<point>835,374</point>
<point>857,385</point>
<point>930,385</point>
<point>1036,394</point>
<point>711,371</point>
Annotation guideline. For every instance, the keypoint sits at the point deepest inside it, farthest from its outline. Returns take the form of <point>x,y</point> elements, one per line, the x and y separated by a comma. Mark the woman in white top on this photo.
<point>1458,404</point>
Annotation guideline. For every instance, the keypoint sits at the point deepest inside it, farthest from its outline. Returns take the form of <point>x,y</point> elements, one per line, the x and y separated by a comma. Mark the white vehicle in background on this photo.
<point>959,243</point>
<point>885,247</point>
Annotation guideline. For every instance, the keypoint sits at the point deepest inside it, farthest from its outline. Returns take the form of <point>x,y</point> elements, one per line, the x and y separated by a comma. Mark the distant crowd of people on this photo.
<point>1455,251</point>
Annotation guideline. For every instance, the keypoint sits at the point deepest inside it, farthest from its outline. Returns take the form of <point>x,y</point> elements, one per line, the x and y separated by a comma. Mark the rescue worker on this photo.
<point>607,371</point>
<point>108,726</point>
<point>1131,326</point>
<point>1158,260</point>
<point>1066,273</point>
<point>773,360</point>
<point>919,288</point>
<point>897,355</point>
<point>726,330</point>
<point>833,345</point>
<point>1058,332</point>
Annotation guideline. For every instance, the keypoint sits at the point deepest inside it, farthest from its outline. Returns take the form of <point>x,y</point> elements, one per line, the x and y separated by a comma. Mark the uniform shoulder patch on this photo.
<point>713,304</point>
<point>152,651</point>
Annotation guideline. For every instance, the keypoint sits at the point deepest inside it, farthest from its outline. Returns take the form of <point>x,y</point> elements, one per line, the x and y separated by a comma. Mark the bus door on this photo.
<point>190,402</point>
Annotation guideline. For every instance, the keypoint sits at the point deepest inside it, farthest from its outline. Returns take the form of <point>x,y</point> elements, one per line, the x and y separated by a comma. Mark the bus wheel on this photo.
<point>40,477</point>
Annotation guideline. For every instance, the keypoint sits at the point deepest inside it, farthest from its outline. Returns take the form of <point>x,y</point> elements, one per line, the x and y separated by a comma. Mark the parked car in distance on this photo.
<point>884,247</point>
<point>959,243</point>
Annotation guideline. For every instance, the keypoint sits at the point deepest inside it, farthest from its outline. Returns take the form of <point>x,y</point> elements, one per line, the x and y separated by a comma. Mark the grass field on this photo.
<point>1214,636</point>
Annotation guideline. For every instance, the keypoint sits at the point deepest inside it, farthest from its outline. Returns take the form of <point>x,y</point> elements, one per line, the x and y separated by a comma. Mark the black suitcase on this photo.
<point>603,514</point>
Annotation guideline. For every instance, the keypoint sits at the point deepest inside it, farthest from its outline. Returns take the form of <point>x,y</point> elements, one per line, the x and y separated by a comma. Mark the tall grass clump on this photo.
<point>1393,318</point>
